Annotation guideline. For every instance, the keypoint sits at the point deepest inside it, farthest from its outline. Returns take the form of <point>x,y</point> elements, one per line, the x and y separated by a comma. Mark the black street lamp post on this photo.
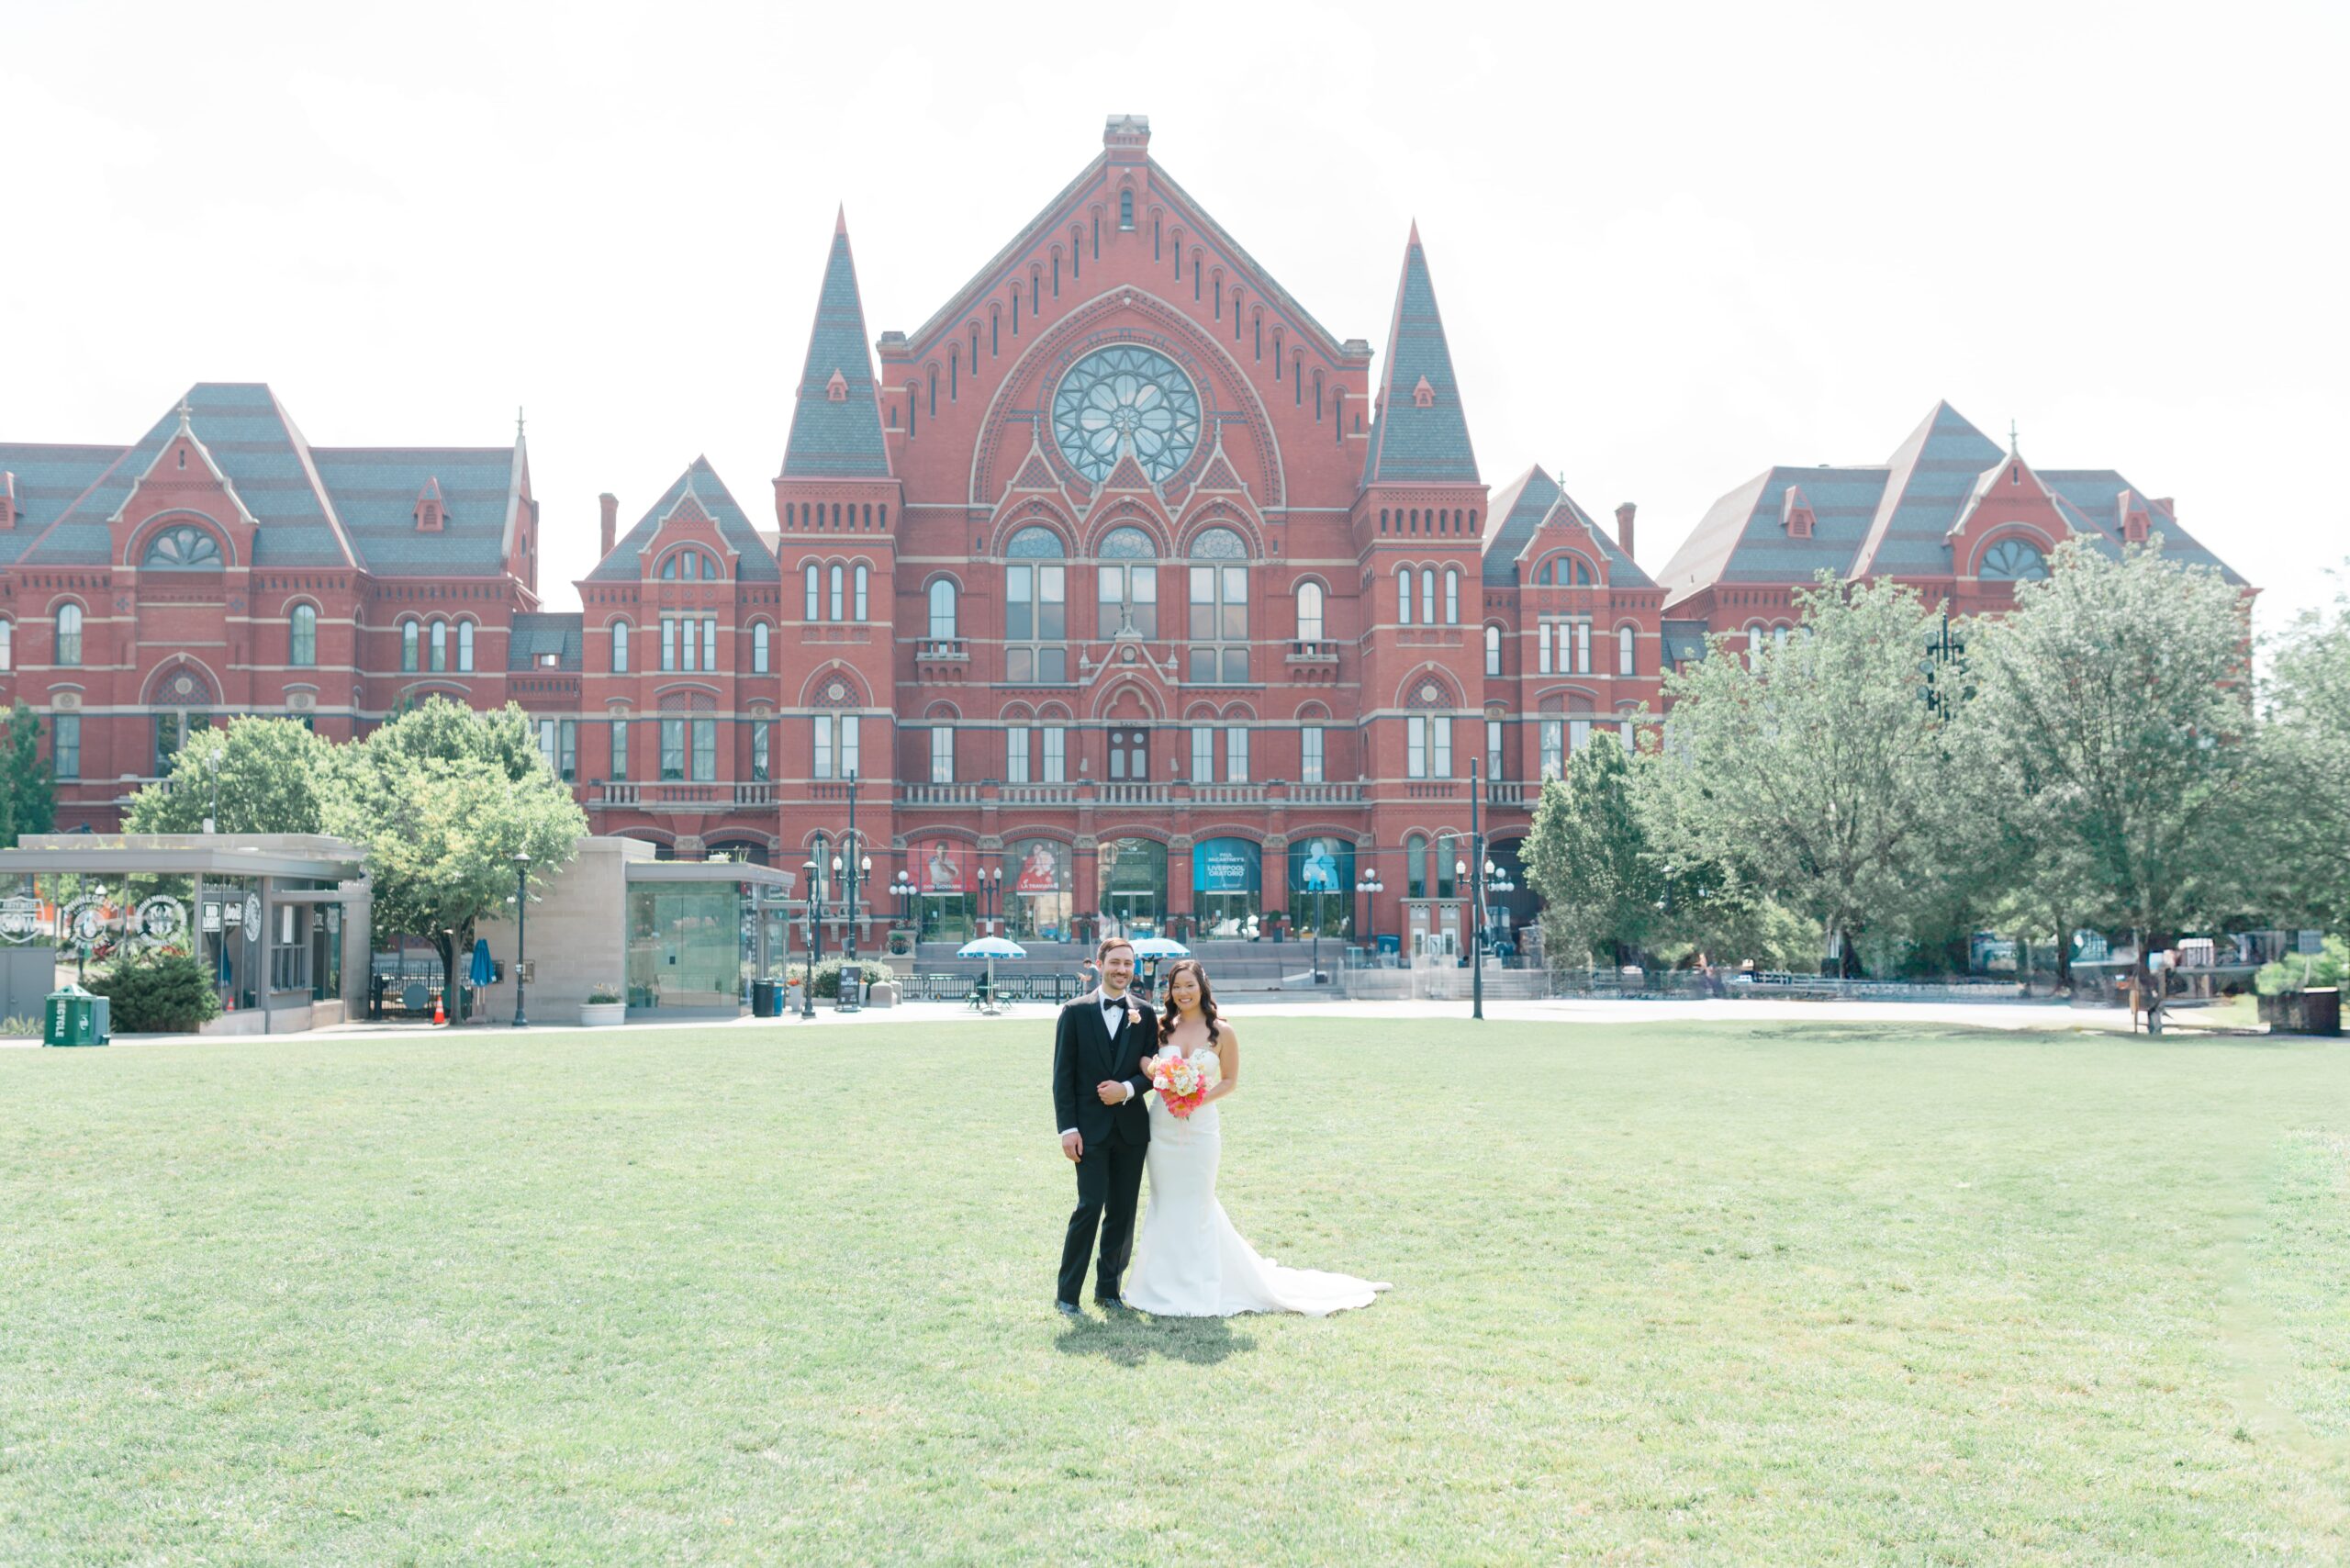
<point>991,898</point>
<point>1477,892</point>
<point>903,886</point>
<point>1945,653</point>
<point>521,916</point>
<point>1370,887</point>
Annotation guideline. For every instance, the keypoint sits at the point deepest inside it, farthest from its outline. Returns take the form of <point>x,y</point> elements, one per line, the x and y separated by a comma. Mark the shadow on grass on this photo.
<point>1128,1340</point>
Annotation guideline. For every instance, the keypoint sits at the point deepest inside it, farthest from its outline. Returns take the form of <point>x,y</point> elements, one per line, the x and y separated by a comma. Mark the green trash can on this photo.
<point>75,1017</point>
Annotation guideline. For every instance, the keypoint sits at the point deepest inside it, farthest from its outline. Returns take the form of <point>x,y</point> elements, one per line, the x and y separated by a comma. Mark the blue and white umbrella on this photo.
<point>992,948</point>
<point>1160,947</point>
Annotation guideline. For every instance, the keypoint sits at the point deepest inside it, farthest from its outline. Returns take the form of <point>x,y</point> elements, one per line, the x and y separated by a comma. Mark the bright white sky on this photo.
<point>1672,245</point>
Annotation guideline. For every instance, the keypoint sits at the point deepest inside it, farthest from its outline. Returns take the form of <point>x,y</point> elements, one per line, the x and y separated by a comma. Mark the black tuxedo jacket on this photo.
<point>1085,1054</point>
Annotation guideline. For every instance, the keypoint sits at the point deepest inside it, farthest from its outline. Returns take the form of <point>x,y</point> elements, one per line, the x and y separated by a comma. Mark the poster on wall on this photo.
<point>1323,864</point>
<point>1041,867</point>
<point>1226,866</point>
<point>944,866</point>
<point>1132,865</point>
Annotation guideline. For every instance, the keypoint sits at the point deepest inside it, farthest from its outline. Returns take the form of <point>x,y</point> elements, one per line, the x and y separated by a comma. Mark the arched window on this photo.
<point>1126,584</point>
<point>1428,596</point>
<point>1447,850</point>
<point>8,644</point>
<point>759,638</point>
<point>1309,612</point>
<point>408,646</point>
<point>1452,596</point>
<point>302,637</point>
<point>465,644</point>
<point>1625,639</point>
<point>183,548</point>
<point>1754,646</point>
<point>1036,606</point>
<point>619,647</point>
<point>1493,650</point>
<point>2012,560</point>
<point>1415,866</point>
<point>1126,209</point>
<point>836,581</point>
<point>69,635</point>
<point>942,610</point>
<point>863,578</point>
<point>1219,603</point>
<point>440,646</point>
<point>1404,595</point>
<point>812,579</point>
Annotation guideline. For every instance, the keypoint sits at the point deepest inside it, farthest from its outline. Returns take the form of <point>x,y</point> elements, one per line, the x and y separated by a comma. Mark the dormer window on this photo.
<point>432,515</point>
<point>1424,395</point>
<point>836,389</point>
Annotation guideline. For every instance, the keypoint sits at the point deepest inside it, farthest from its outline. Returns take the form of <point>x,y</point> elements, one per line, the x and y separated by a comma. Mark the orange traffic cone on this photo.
<point>438,1016</point>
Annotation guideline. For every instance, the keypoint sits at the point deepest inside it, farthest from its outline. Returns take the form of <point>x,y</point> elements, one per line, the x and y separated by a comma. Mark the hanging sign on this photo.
<point>1225,865</point>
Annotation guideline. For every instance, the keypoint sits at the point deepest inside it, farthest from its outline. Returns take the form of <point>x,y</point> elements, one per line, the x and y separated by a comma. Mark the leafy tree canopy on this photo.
<point>252,776</point>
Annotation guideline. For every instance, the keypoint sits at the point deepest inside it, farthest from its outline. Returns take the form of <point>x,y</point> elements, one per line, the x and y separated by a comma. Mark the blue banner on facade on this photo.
<point>1226,866</point>
<point>1323,864</point>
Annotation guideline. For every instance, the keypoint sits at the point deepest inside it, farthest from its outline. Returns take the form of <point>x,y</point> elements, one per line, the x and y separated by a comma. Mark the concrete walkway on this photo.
<point>1037,1016</point>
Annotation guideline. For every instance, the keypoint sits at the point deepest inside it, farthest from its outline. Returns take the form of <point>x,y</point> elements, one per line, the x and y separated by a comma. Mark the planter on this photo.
<point>598,1014</point>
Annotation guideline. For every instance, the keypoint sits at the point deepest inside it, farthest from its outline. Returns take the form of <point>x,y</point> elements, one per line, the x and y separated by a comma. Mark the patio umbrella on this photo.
<point>482,968</point>
<point>1160,947</point>
<point>992,948</point>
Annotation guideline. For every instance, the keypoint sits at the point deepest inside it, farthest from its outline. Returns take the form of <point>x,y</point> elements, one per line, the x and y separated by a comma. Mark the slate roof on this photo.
<point>1684,641</point>
<point>1892,517</point>
<point>1409,444</point>
<point>314,506</point>
<point>48,479</point>
<point>1522,505</point>
<point>755,561</point>
<point>535,632</point>
<point>376,490</point>
<point>829,440</point>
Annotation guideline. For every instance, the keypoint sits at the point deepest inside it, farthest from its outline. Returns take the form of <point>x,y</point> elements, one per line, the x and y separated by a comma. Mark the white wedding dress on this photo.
<point>1190,1262</point>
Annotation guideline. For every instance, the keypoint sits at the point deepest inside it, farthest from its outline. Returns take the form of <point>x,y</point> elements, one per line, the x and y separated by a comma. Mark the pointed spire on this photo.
<point>840,221</point>
<point>1422,437</point>
<point>838,438</point>
<point>2014,449</point>
<point>184,411</point>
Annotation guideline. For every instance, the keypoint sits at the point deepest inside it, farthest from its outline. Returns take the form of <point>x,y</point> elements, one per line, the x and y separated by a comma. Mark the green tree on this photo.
<point>1813,770</point>
<point>2113,710</point>
<point>1588,856</point>
<point>252,776</point>
<point>27,784</point>
<point>441,799</point>
<point>2306,804</point>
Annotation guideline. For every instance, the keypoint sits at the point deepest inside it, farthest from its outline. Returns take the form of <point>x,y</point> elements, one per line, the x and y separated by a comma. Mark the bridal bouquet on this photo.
<point>1181,1082</point>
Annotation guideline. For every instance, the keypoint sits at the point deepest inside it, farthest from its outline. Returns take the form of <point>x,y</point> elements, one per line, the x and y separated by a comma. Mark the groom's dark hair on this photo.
<point>1102,951</point>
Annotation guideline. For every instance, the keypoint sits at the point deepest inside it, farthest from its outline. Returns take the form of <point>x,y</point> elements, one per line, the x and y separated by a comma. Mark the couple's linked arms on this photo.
<point>1066,1087</point>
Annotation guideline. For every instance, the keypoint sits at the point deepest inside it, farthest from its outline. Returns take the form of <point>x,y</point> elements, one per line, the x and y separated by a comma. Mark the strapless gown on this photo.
<point>1191,1262</point>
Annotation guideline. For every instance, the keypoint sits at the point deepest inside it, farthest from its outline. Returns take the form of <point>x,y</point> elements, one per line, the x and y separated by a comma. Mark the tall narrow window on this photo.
<point>465,646</point>
<point>302,638</point>
<point>759,648</point>
<point>1126,209</point>
<point>1219,605</point>
<point>1126,584</point>
<point>1416,746</point>
<point>440,646</point>
<point>1624,637</point>
<point>1440,745</point>
<point>1203,755</point>
<point>669,644</point>
<point>709,643</point>
<point>1583,647</point>
<point>1549,630</point>
<point>1309,753</point>
<point>1404,595</point>
<point>942,753</point>
<point>1492,748</point>
<point>864,575</point>
<point>1493,650</point>
<point>65,746</point>
<point>812,579</point>
<point>1056,753</point>
<point>848,746</point>
<point>705,750</point>
<point>1035,618</point>
<point>1451,596</point>
<point>826,729</point>
<point>1415,866</point>
<point>408,646</point>
<point>619,750</point>
<point>762,743</point>
<point>836,581</point>
<point>567,762</point>
<point>619,647</point>
<point>1309,612</point>
<point>8,644</point>
<point>1554,736</point>
<point>942,610</point>
<point>1428,596</point>
<point>1235,755</point>
<point>1015,756</point>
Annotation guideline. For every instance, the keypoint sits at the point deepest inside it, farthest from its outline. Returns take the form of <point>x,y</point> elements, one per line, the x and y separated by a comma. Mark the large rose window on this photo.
<point>1122,394</point>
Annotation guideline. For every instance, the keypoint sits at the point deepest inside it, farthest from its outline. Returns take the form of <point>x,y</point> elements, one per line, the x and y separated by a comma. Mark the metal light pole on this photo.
<point>845,863</point>
<point>1477,915</point>
<point>212,767</point>
<point>1368,885</point>
<point>815,945</point>
<point>522,928</point>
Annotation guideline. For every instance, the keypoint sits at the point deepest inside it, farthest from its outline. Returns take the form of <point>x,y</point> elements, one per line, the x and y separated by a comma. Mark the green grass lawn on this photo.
<point>1663,1294</point>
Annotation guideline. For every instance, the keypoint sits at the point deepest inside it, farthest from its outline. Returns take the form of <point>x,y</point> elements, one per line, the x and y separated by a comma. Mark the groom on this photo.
<point>1098,1085</point>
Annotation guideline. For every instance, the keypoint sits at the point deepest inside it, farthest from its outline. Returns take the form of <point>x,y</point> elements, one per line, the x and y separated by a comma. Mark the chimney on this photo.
<point>7,500</point>
<point>1624,527</point>
<point>612,506</point>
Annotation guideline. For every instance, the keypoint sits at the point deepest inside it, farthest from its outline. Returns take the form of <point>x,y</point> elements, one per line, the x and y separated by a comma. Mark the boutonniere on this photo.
<point>1134,1012</point>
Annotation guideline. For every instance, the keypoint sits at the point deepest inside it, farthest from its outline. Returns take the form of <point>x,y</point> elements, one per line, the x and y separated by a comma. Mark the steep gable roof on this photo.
<point>1411,443</point>
<point>1930,478</point>
<point>1523,506</point>
<point>375,488</point>
<point>50,478</point>
<point>837,440</point>
<point>259,455</point>
<point>755,562</point>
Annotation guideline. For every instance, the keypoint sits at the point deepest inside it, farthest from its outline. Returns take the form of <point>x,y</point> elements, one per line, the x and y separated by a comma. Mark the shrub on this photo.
<point>165,994</point>
<point>603,994</point>
<point>2293,973</point>
<point>828,973</point>
<point>13,1028</point>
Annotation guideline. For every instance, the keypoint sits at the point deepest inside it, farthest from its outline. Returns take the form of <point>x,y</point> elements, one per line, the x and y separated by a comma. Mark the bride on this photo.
<point>1189,1262</point>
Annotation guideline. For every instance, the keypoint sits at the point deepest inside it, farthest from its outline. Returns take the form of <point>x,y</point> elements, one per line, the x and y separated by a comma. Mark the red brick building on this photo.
<point>1120,587</point>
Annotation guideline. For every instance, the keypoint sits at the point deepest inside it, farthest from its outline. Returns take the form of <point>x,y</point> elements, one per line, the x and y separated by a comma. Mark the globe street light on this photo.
<point>1370,887</point>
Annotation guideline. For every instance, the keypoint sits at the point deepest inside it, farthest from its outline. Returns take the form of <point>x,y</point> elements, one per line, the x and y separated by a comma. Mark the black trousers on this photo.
<point>1109,1187</point>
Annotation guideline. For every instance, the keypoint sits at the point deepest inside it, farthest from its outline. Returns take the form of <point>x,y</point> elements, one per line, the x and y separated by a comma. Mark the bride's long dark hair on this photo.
<point>1169,1015</point>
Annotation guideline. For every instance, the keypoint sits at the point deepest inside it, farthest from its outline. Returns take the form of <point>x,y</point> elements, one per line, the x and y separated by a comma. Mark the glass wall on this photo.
<point>1132,880</point>
<point>1038,889</point>
<point>686,946</point>
<point>1227,882</point>
<point>946,895</point>
<point>1321,887</point>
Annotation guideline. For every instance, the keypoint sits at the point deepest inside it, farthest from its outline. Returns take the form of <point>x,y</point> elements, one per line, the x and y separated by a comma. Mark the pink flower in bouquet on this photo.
<point>1181,1082</point>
